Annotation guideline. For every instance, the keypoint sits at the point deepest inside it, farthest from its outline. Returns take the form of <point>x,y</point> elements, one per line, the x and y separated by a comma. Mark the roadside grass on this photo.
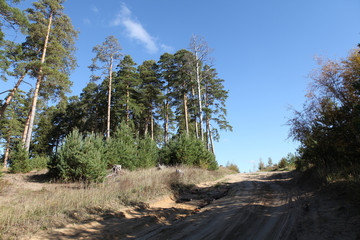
<point>58,204</point>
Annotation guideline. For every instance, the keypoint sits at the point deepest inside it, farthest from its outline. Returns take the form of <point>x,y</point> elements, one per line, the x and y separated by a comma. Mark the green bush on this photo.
<point>148,153</point>
<point>122,149</point>
<point>232,167</point>
<point>261,165</point>
<point>80,158</point>
<point>283,163</point>
<point>39,162</point>
<point>188,150</point>
<point>20,162</point>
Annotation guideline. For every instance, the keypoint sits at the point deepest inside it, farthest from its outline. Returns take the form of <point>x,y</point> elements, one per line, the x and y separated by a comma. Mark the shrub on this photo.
<point>188,150</point>
<point>80,158</point>
<point>261,165</point>
<point>122,149</point>
<point>148,153</point>
<point>232,167</point>
<point>270,163</point>
<point>283,163</point>
<point>39,162</point>
<point>20,162</point>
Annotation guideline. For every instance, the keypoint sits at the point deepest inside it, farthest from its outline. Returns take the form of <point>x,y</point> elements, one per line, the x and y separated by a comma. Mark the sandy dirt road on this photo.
<point>241,206</point>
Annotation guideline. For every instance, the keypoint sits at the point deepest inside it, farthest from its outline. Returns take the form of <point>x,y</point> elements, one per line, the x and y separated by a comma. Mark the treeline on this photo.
<point>171,102</point>
<point>328,127</point>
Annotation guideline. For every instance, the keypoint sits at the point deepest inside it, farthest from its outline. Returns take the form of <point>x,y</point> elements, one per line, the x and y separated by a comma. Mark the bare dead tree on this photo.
<point>201,51</point>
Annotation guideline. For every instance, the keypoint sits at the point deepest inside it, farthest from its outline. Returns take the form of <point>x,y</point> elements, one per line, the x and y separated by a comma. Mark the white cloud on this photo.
<point>94,9</point>
<point>135,30</point>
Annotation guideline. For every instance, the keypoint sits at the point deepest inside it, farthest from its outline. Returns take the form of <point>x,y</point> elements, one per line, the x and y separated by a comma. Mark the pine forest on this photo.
<point>163,111</point>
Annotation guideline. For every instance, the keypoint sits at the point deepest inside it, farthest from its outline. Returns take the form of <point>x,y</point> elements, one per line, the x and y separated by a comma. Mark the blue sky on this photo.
<point>263,49</point>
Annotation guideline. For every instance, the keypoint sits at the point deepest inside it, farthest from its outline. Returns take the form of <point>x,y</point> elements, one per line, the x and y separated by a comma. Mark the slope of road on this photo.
<point>241,206</point>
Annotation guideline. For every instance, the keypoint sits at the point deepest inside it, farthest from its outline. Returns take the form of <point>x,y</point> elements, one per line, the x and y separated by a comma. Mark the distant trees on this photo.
<point>108,53</point>
<point>176,103</point>
<point>157,99</point>
<point>328,126</point>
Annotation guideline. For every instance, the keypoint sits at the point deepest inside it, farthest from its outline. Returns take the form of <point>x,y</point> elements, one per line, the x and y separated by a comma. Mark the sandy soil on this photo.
<point>241,206</point>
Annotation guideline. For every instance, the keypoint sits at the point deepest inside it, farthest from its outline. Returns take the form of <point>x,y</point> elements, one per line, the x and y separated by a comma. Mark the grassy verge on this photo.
<point>56,205</point>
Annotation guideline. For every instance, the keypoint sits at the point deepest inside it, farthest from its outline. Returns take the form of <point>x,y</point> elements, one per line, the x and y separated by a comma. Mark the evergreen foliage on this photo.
<point>148,153</point>
<point>232,166</point>
<point>20,162</point>
<point>144,106</point>
<point>39,162</point>
<point>188,150</point>
<point>121,149</point>
<point>79,158</point>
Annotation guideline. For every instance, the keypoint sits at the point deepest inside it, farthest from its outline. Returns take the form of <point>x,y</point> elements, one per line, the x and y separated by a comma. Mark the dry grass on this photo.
<point>56,205</point>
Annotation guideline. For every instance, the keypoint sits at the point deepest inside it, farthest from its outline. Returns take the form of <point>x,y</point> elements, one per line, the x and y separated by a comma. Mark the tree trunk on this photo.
<point>166,117</point>
<point>185,110</point>
<point>7,102</point>
<point>32,112</point>
<point>199,95</point>
<point>196,123</point>
<point>211,141</point>
<point>127,104</point>
<point>96,118</point>
<point>207,118</point>
<point>7,151</point>
<point>146,126</point>
<point>152,124</point>
<point>109,100</point>
<point>26,129</point>
<point>36,93</point>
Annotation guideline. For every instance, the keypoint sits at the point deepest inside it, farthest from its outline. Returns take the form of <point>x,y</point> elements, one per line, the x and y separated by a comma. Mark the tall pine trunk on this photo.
<point>109,101</point>
<point>186,110</point>
<point>37,88</point>
<point>166,127</point>
<point>152,123</point>
<point>26,129</point>
<point>11,95</point>
<point>127,104</point>
<point>211,141</point>
<point>7,151</point>
<point>146,126</point>
<point>196,123</point>
<point>207,118</point>
<point>199,95</point>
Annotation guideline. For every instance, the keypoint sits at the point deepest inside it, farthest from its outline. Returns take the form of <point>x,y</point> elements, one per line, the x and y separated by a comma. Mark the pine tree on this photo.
<point>52,36</point>
<point>200,49</point>
<point>90,104</point>
<point>10,52</point>
<point>214,97</point>
<point>167,72</point>
<point>150,92</point>
<point>108,54</point>
<point>126,90</point>
<point>182,86</point>
<point>11,17</point>
<point>13,122</point>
